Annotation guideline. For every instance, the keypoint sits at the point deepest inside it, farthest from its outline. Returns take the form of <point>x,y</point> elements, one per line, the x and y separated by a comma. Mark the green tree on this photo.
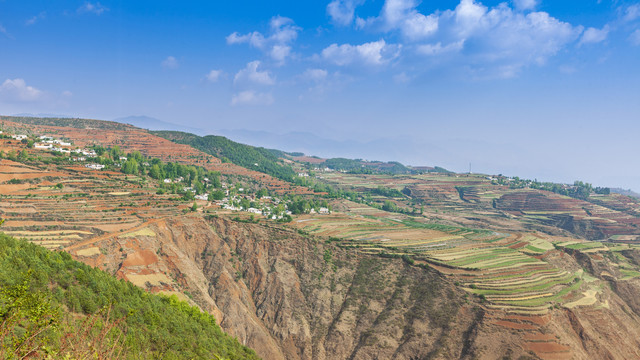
<point>217,195</point>
<point>156,172</point>
<point>130,167</point>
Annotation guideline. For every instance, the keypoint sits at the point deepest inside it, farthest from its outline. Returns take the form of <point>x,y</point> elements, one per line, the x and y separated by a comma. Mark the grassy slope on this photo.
<point>155,326</point>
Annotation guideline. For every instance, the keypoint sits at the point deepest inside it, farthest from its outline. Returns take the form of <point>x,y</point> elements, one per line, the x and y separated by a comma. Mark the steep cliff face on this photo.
<point>290,296</point>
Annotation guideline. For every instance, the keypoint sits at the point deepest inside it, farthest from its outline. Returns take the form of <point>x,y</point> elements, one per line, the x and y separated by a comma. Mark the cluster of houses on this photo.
<point>19,137</point>
<point>51,144</point>
<point>270,208</point>
<point>321,170</point>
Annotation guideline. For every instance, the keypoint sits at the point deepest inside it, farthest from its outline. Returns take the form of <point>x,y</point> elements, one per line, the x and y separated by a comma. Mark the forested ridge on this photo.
<point>53,306</point>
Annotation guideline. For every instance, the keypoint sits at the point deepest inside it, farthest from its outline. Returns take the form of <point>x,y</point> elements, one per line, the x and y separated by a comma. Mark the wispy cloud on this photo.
<point>251,74</point>
<point>170,63</point>
<point>635,38</point>
<point>213,76</point>
<point>251,97</point>
<point>283,32</point>
<point>35,18</point>
<point>4,31</point>
<point>17,90</point>
<point>92,8</point>
<point>631,13</point>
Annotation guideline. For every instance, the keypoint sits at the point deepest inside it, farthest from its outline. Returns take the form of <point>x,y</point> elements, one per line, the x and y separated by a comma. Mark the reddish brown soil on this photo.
<point>308,159</point>
<point>140,258</point>
<point>538,320</point>
<point>514,325</point>
<point>546,347</point>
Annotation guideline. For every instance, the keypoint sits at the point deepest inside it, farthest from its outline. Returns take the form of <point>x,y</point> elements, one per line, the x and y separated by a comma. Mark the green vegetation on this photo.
<point>250,157</point>
<point>360,166</point>
<point>44,297</point>
<point>579,190</point>
<point>197,177</point>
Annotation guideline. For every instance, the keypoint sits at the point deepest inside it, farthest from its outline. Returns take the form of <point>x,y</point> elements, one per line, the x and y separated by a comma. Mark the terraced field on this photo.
<point>85,204</point>
<point>508,271</point>
<point>473,200</point>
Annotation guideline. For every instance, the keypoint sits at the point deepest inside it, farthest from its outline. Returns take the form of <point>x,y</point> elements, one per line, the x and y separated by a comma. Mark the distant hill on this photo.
<point>625,192</point>
<point>250,157</point>
<point>41,115</point>
<point>44,289</point>
<point>150,123</point>
<point>68,122</point>
<point>384,149</point>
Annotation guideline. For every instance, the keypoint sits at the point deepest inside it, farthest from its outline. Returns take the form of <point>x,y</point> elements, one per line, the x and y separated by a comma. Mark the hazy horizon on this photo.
<point>533,88</point>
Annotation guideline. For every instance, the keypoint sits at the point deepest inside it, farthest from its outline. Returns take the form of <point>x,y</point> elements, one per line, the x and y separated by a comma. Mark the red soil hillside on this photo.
<point>130,138</point>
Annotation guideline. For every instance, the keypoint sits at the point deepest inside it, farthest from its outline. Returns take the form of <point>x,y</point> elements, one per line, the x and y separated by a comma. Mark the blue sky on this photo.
<point>536,88</point>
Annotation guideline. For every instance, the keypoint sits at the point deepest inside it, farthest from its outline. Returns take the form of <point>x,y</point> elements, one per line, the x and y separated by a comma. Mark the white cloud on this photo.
<point>3,30</point>
<point>635,38</point>
<point>213,75</point>
<point>18,90</point>
<point>631,13</point>
<point>593,35</point>
<point>283,32</point>
<point>372,53</point>
<point>525,4</point>
<point>254,39</point>
<point>92,8</point>
<point>280,53</point>
<point>438,49</point>
<point>342,11</point>
<point>35,19</point>
<point>503,38</point>
<point>402,15</point>
<point>251,97</point>
<point>251,74</point>
<point>316,75</point>
<point>170,63</point>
